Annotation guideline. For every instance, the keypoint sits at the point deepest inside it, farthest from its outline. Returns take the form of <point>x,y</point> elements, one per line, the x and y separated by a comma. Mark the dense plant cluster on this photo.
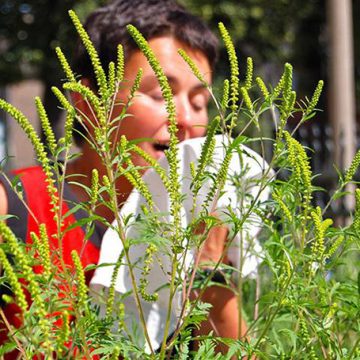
<point>303,302</point>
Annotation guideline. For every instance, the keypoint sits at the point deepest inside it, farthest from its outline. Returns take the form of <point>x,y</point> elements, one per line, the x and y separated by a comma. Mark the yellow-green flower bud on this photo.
<point>65,65</point>
<point>249,73</point>
<point>99,71</point>
<point>81,283</point>
<point>193,66</point>
<point>262,87</point>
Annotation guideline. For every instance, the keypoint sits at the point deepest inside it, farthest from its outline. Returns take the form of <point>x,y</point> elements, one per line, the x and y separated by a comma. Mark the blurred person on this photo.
<point>167,26</point>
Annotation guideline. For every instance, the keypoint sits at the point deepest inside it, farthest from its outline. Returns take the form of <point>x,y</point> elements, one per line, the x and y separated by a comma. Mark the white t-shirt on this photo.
<point>247,167</point>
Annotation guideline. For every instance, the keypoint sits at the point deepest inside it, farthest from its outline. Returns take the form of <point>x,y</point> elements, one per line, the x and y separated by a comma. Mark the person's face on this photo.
<point>148,117</point>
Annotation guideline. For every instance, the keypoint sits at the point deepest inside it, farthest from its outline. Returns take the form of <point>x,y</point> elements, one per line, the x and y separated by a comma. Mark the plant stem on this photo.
<point>352,352</point>
<point>272,317</point>
<point>172,292</point>
<point>128,260</point>
<point>12,334</point>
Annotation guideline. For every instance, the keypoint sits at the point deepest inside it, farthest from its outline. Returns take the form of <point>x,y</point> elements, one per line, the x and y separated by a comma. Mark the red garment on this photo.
<point>38,200</point>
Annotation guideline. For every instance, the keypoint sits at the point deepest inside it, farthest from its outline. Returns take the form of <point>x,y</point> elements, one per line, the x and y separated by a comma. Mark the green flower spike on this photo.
<point>334,247</point>
<point>290,103</point>
<point>262,87</point>
<point>13,281</point>
<point>286,110</point>
<point>205,160</point>
<point>62,99</point>
<point>193,66</point>
<point>192,170</point>
<point>154,164</point>
<point>37,243</point>
<point>111,294</point>
<point>68,127</point>
<point>247,99</point>
<point>71,113</point>
<point>112,78</point>
<point>234,72</point>
<point>94,57</point>
<point>45,254</point>
<point>134,176</point>
<point>288,76</point>
<point>120,64</point>
<point>283,207</point>
<point>65,65</point>
<point>278,88</point>
<point>116,353</point>
<point>315,98</point>
<point>223,171</point>
<point>300,164</point>
<point>172,153</point>
<point>307,340</point>
<point>89,95</point>
<point>293,158</point>
<point>43,248</point>
<point>249,73</point>
<point>107,184</point>
<point>63,334</point>
<point>144,282</point>
<point>320,227</point>
<point>225,97</point>
<point>284,273</point>
<point>94,188</point>
<point>220,180</point>
<point>22,261</point>
<point>136,85</point>
<point>352,168</point>
<point>27,127</point>
<point>121,316</point>
<point>289,97</point>
<point>81,293</point>
<point>45,123</point>
<point>163,82</point>
<point>207,151</point>
<point>38,147</point>
<point>356,222</point>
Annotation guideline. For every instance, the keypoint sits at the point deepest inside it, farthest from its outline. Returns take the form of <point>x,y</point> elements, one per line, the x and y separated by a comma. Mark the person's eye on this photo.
<point>199,102</point>
<point>156,95</point>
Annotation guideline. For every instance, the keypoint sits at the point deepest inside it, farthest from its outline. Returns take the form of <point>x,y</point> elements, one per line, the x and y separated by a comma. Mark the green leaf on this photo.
<point>82,222</point>
<point>7,347</point>
<point>8,216</point>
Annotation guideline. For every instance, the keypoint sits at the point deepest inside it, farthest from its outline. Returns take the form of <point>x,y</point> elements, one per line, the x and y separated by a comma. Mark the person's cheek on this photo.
<point>200,127</point>
<point>129,128</point>
<point>134,125</point>
<point>151,117</point>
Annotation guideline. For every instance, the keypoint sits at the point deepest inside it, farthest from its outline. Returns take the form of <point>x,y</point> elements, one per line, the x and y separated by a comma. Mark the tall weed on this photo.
<point>302,302</point>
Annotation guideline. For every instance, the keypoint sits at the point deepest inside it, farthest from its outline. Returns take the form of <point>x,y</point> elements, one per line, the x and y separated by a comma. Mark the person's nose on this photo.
<point>184,115</point>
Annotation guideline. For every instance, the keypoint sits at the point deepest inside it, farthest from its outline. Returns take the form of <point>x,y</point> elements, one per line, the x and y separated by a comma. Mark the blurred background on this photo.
<point>320,38</point>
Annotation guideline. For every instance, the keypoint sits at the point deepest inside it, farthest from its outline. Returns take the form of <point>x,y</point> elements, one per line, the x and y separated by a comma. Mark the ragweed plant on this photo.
<point>291,280</point>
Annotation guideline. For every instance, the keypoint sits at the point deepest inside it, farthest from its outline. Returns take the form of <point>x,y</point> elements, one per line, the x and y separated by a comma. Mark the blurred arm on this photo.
<point>224,314</point>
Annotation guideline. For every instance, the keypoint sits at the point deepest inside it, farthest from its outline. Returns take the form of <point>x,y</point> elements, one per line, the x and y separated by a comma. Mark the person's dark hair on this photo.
<point>106,27</point>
